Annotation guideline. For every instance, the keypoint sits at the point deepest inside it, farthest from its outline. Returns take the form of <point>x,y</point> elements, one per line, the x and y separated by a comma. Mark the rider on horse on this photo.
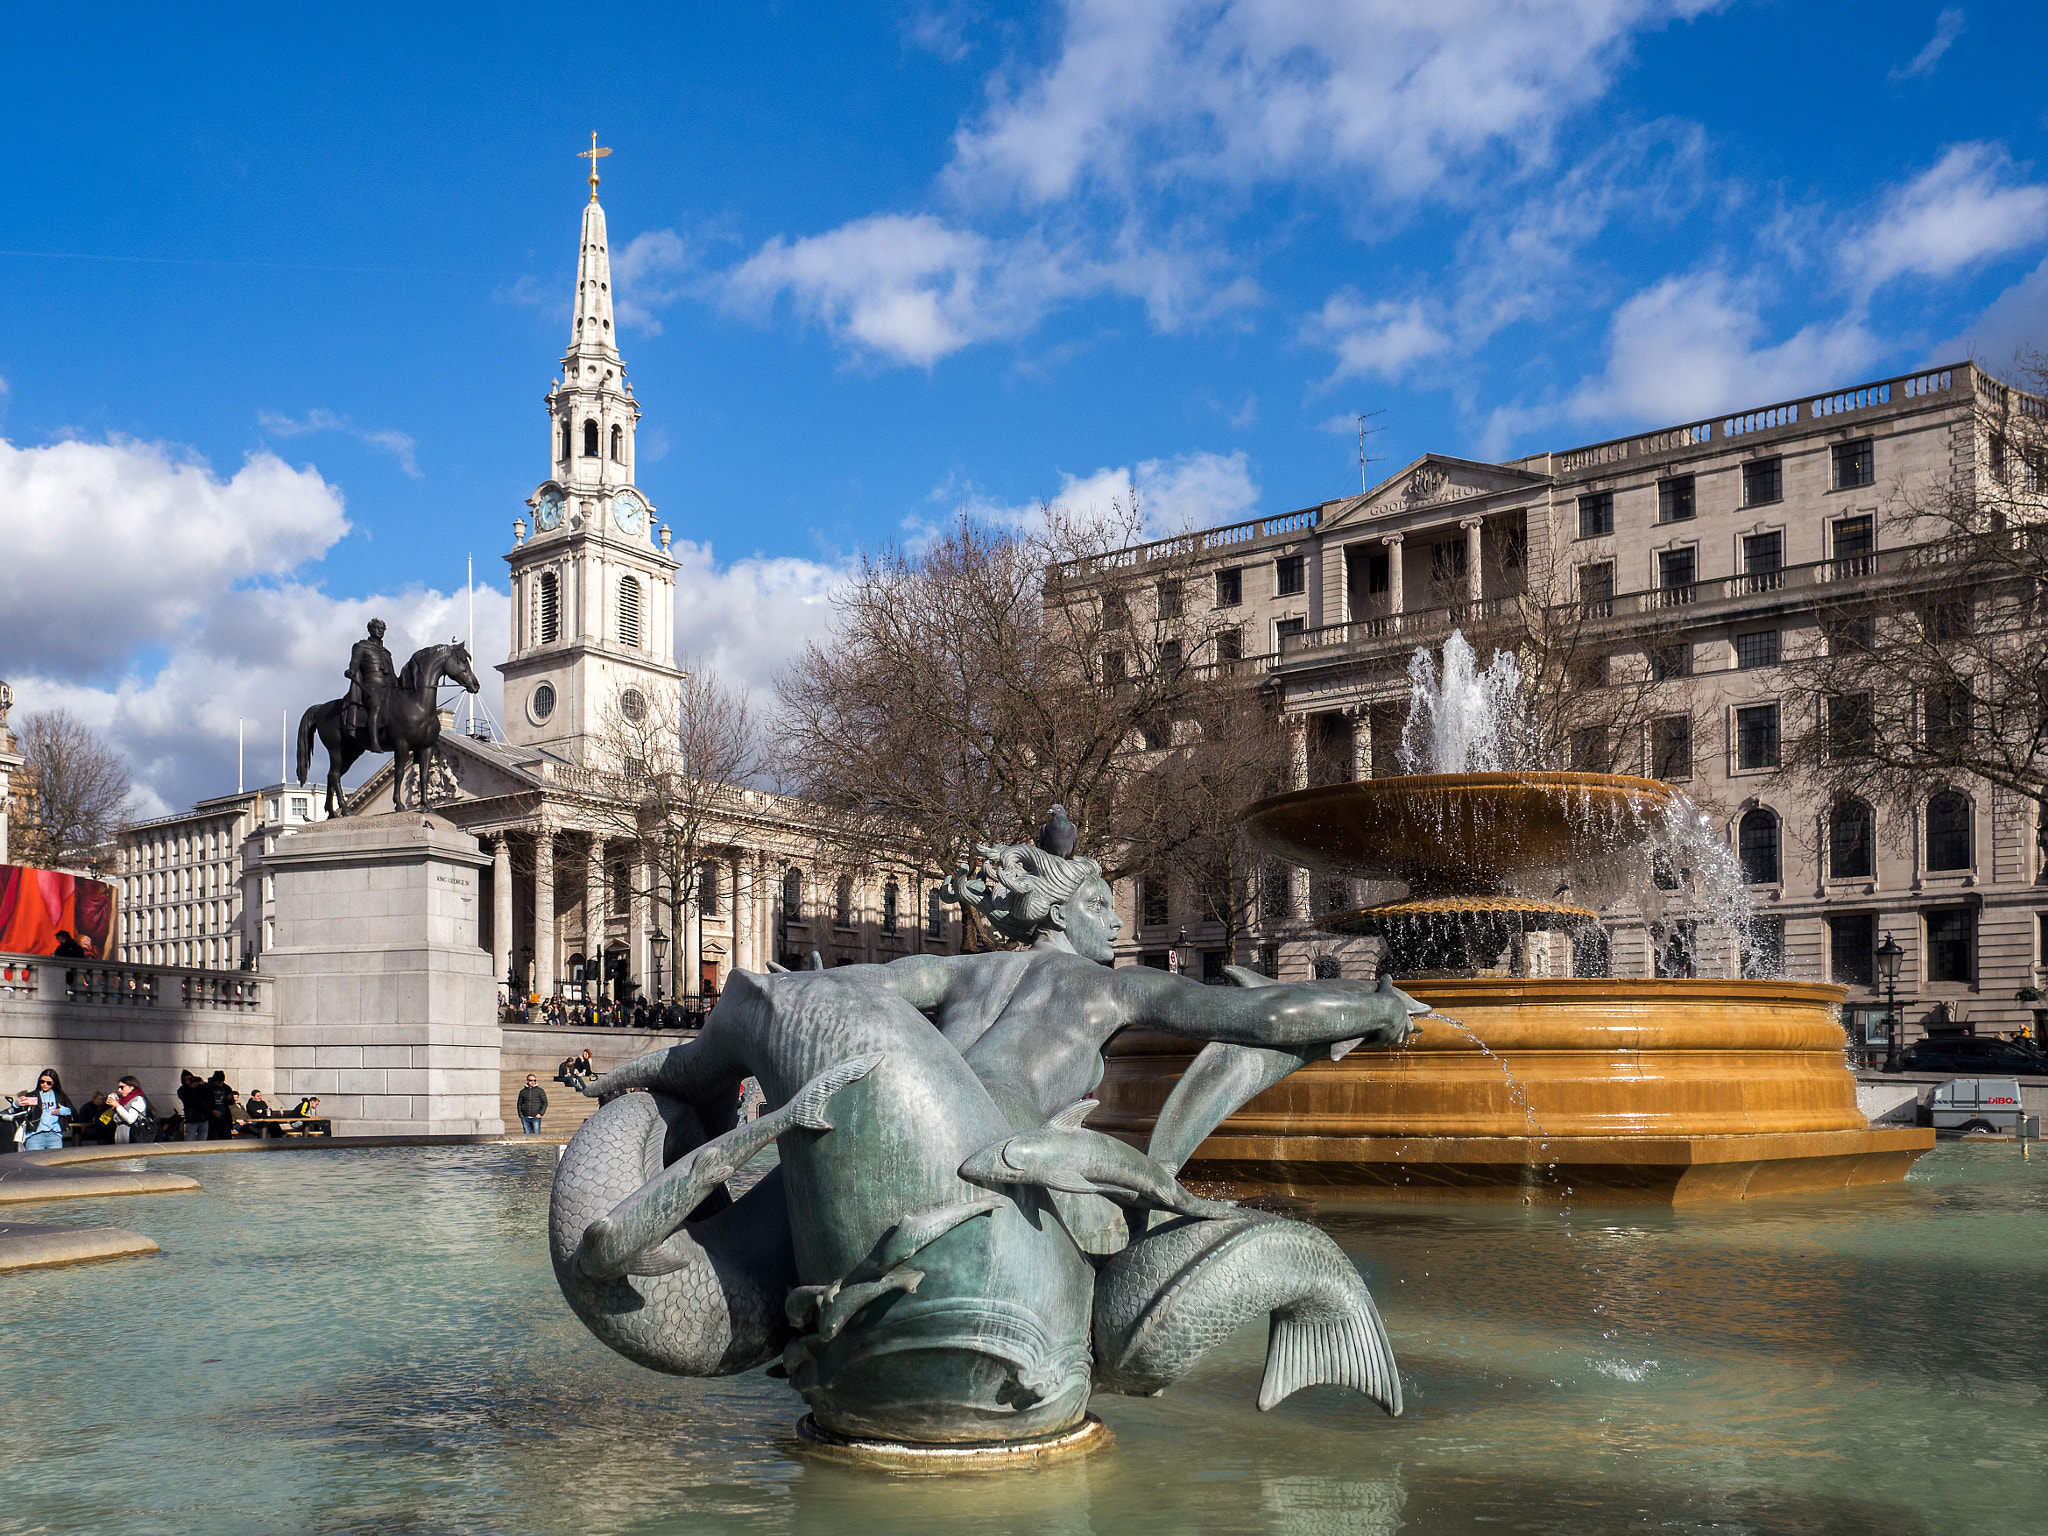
<point>370,677</point>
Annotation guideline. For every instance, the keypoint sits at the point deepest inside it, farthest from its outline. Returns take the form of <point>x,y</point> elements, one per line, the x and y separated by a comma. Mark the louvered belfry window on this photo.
<point>550,608</point>
<point>629,613</point>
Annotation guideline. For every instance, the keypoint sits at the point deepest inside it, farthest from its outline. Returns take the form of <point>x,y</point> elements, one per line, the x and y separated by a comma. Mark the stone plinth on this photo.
<point>386,1004</point>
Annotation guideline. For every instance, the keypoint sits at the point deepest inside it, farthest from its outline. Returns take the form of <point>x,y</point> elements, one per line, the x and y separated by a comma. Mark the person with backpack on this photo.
<point>220,1108</point>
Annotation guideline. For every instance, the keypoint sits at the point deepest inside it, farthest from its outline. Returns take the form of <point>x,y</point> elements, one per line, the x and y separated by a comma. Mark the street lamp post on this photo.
<point>658,942</point>
<point>1888,957</point>
<point>1180,953</point>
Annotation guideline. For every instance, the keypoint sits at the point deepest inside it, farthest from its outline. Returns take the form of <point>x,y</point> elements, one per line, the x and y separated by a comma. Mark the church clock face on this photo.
<point>547,513</point>
<point>630,513</point>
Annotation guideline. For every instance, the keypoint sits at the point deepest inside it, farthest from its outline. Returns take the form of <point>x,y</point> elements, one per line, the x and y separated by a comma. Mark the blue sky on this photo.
<point>283,289</point>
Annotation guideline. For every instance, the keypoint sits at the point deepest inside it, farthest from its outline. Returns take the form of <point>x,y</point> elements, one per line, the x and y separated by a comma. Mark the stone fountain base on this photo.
<point>1581,1090</point>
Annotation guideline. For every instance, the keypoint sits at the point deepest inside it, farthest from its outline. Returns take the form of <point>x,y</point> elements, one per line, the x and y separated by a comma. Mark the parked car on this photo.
<point>1979,1055</point>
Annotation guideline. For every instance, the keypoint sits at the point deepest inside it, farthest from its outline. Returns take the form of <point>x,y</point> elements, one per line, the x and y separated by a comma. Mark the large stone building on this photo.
<point>1717,543</point>
<point>570,901</point>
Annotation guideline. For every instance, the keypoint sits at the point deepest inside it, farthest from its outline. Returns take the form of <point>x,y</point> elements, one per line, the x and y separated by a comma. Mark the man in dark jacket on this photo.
<point>220,1107</point>
<point>533,1103</point>
<point>194,1103</point>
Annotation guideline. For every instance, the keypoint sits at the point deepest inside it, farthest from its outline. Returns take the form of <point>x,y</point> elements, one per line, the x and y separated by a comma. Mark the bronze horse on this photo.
<point>412,725</point>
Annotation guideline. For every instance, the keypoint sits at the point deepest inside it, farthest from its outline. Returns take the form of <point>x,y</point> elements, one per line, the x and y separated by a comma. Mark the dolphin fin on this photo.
<point>802,1304</point>
<point>1350,1349</point>
<point>817,961</point>
<point>1070,1118</point>
<point>1344,1048</point>
<point>807,1109</point>
<point>840,1310</point>
<point>1241,977</point>
<point>913,1234</point>
<point>777,970</point>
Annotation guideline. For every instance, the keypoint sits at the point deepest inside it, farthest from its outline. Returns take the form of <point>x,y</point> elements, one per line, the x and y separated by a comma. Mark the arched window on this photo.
<point>892,899</point>
<point>1756,841</point>
<point>1948,830</point>
<point>842,904</point>
<point>629,612</point>
<point>565,441</point>
<point>707,888</point>
<point>550,614</point>
<point>1850,831</point>
<point>792,895</point>
<point>590,439</point>
<point>618,444</point>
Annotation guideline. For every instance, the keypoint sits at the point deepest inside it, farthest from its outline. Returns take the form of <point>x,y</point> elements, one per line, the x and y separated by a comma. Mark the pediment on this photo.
<point>1437,480</point>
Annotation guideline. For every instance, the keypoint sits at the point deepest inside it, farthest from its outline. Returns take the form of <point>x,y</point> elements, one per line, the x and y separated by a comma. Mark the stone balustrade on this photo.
<point>108,983</point>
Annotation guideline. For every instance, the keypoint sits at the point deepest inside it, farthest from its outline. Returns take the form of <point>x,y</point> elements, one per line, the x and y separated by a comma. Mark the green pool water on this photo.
<point>372,1341</point>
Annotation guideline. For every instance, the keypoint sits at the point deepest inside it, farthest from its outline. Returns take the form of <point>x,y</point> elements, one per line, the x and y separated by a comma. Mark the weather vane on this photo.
<point>593,155</point>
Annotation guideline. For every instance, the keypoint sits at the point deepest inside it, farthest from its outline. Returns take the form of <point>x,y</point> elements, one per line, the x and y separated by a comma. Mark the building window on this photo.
<point>1170,655</point>
<point>1114,668</point>
<point>1674,499</point>
<point>792,895</point>
<point>1763,561</point>
<point>618,444</point>
<point>301,808</point>
<point>590,439</point>
<point>1851,725</point>
<point>1855,545</point>
<point>1676,571</point>
<point>1269,960</point>
<point>1379,568</point>
<point>1290,574</point>
<point>1169,600</point>
<point>1596,515</point>
<point>1949,716</point>
<point>1286,629</point>
<point>550,615</point>
<point>707,888</point>
<point>1671,747</point>
<point>1756,649</point>
<point>1229,588</point>
<point>1596,589</point>
<point>1855,464</point>
<point>629,612</point>
<point>1946,616</point>
<point>1951,946</point>
<point>934,913</point>
<point>1848,636</point>
<point>565,442</point>
<point>633,706</point>
<point>842,902</point>
<point>1151,903</point>
<point>1276,891</point>
<point>1326,968</point>
<point>1756,736</point>
<point>1851,831</point>
<point>1756,841</point>
<point>892,900</point>
<point>1948,831</point>
<point>1852,949</point>
<point>1230,645</point>
<point>622,887</point>
<point>1669,661</point>
<point>1763,482</point>
<point>543,704</point>
<point>1116,611</point>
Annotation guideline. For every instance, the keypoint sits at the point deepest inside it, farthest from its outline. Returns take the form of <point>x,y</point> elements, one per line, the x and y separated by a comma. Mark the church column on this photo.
<point>501,910</point>
<point>594,906</point>
<point>690,947</point>
<point>743,910</point>
<point>1361,743</point>
<point>1297,751</point>
<point>544,912</point>
<point>1393,544</point>
<point>1475,584</point>
<point>636,923</point>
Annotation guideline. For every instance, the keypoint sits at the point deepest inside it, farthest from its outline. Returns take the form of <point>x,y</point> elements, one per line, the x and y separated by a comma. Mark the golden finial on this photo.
<point>593,155</point>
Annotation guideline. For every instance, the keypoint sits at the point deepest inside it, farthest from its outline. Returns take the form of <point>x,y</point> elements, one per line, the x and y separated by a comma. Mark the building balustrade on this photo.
<point>114,984</point>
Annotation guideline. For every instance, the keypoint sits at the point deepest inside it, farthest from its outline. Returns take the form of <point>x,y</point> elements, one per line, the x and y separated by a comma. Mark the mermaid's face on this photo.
<point>1091,924</point>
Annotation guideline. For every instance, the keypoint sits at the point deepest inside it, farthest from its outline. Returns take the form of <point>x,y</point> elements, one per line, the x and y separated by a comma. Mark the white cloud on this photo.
<point>1948,26</point>
<point>1968,207</point>
<point>1387,338</point>
<point>398,444</point>
<point>2013,324</point>
<point>1190,490</point>
<point>746,620</point>
<point>1693,344</point>
<point>654,269</point>
<point>1142,96</point>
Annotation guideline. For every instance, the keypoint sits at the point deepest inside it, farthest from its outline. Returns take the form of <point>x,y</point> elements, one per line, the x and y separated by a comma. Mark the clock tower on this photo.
<point>593,587</point>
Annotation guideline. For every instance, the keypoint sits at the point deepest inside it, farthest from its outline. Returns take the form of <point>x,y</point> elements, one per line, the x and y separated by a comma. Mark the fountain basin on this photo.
<point>1669,1091</point>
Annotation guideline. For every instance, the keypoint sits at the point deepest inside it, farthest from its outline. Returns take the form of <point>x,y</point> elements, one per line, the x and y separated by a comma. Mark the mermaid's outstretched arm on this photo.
<point>1282,1015</point>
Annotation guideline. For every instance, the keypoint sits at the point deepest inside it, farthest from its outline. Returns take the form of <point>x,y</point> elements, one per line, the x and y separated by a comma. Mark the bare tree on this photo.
<point>1931,666</point>
<point>77,789</point>
<point>970,685</point>
<point>675,767</point>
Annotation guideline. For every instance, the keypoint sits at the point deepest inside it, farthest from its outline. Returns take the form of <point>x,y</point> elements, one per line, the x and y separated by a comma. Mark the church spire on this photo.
<point>590,337</point>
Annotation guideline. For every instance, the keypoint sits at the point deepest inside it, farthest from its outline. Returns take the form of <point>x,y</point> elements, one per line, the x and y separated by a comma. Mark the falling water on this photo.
<point>1464,719</point>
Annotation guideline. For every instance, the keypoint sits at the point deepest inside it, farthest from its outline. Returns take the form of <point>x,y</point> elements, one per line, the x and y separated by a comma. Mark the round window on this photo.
<point>543,701</point>
<point>632,704</point>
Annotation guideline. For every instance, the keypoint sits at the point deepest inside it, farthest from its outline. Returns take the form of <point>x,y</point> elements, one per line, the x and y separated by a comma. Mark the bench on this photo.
<point>287,1125</point>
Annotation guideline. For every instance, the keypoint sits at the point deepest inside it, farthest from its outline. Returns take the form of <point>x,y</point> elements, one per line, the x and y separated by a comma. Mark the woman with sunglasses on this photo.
<point>48,1110</point>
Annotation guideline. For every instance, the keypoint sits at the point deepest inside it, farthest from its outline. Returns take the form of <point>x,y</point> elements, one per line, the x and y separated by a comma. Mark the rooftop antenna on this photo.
<point>469,587</point>
<point>1363,433</point>
<point>238,756</point>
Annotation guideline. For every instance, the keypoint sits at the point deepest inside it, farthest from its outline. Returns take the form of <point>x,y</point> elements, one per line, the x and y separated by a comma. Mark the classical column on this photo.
<point>544,912</point>
<point>743,910</point>
<point>501,911</point>
<point>690,942</point>
<point>1297,743</point>
<point>1475,586</point>
<point>594,907</point>
<point>636,924</point>
<point>1393,543</point>
<point>1361,743</point>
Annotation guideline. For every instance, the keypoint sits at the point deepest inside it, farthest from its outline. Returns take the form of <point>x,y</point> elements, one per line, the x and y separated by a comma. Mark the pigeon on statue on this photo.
<point>1057,836</point>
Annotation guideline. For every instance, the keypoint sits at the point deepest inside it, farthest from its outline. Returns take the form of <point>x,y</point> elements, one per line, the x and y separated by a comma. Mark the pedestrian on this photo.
<point>132,1120</point>
<point>533,1103</point>
<point>49,1109</point>
<point>220,1107</point>
<point>585,1067</point>
<point>196,1103</point>
<point>68,948</point>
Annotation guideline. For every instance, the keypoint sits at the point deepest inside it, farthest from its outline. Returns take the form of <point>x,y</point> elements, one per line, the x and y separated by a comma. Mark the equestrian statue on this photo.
<point>382,713</point>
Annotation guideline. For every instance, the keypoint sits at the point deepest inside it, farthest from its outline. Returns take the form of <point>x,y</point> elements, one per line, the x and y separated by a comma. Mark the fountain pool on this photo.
<point>372,1341</point>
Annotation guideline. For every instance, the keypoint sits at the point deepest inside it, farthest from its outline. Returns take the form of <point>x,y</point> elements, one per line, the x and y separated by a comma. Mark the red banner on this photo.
<point>35,904</point>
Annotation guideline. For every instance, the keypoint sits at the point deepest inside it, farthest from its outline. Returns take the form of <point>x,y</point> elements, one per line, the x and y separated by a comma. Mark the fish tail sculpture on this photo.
<point>1184,1287</point>
<point>1062,1155</point>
